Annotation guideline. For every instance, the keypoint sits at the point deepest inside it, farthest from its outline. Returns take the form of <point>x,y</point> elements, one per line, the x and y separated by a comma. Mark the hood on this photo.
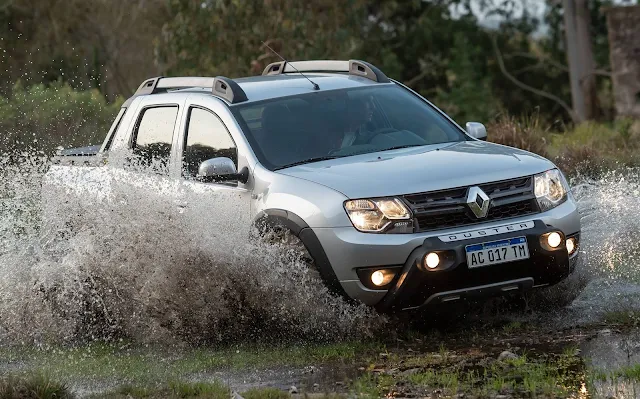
<point>421,169</point>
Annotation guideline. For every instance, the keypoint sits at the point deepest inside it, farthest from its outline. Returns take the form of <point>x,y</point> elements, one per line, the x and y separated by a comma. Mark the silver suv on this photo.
<point>397,205</point>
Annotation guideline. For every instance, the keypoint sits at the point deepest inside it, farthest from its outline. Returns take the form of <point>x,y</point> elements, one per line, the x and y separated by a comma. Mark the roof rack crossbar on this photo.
<point>220,86</point>
<point>352,67</point>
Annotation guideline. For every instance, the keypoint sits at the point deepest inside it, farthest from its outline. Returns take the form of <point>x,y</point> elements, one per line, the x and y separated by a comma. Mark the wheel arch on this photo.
<point>297,225</point>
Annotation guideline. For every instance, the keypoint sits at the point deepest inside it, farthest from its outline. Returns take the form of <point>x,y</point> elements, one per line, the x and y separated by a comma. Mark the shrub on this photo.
<point>33,387</point>
<point>592,146</point>
<point>526,133</point>
<point>584,149</point>
<point>45,117</point>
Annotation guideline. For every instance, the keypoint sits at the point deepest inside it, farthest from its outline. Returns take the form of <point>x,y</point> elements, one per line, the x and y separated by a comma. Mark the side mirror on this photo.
<point>476,130</point>
<point>221,169</point>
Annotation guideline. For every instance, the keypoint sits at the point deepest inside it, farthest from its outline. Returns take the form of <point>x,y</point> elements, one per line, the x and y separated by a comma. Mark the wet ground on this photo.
<point>499,359</point>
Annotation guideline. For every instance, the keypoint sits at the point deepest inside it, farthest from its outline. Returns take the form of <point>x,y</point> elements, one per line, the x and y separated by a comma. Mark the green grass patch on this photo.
<point>629,373</point>
<point>213,390</point>
<point>625,318</point>
<point>448,380</point>
<point>199,390</point>
<point>512,327</point>
<point>453,374</point>
<point>265,393</point>
<point>367,386</point>
<point>144,366</point>
<point>36,386</point>
<point>131,391</point>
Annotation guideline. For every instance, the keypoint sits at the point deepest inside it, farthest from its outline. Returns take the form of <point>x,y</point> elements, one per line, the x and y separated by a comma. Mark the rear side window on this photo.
<point>106,146</point>
<point>153,137</point>
<point>207,138</point>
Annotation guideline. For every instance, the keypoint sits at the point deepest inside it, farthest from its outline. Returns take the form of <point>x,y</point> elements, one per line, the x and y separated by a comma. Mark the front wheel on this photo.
<point>291,246</point>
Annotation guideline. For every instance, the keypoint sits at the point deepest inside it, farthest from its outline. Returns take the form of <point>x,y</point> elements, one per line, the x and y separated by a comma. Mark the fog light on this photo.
<point>554,240</point>
<point>571,245</point>
<point>381,277</point>
<point>432,260</point>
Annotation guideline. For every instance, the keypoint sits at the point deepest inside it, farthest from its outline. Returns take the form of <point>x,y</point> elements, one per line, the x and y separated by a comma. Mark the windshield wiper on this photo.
<point>309,160</point>
<point>403,146</point>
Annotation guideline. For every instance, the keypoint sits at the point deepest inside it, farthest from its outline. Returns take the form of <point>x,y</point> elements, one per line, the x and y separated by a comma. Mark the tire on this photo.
<point>291,245</point>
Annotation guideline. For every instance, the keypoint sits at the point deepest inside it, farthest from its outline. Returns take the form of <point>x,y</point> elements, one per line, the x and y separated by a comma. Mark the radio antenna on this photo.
<point>315,85</point>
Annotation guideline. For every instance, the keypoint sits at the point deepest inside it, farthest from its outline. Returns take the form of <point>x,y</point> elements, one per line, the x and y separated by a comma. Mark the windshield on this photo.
<point>324,125</point>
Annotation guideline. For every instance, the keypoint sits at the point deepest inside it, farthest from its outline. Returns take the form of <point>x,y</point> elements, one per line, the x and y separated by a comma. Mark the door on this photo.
<point>144,181</point>
<point>214,208</point>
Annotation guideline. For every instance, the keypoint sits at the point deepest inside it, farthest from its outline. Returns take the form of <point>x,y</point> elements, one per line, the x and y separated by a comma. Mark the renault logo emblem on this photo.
<point>478,202</point>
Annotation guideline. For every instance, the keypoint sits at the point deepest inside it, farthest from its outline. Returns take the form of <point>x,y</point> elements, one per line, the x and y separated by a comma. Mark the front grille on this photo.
<point>448,208</point>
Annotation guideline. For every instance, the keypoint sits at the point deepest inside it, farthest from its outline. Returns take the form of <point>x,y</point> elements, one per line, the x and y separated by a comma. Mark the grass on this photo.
<point>101,362</point>
<point>213,390</point>
<point>621,382</point>
<point>555,375</point>
<point>452,374</point>
<point>36,386</point>
<point>512,327</point>
<point>265,393</point>
<point>629,318</point>
<point>403,370</point>
<point>629,373</point>
<point>450,381</point>
<point>368,386</point>
<point>390,373</point>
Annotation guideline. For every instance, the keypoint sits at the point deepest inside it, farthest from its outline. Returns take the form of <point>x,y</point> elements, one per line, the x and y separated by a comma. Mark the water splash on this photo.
<point>117,260</point>
<point>121,262</point>
<point>609,274</point>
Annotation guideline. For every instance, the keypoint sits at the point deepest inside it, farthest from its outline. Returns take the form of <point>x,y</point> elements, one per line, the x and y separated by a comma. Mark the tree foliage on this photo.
<point>224,37</point>
<point>106,44</point>
<point>45,117</point>
<point>437,47</point>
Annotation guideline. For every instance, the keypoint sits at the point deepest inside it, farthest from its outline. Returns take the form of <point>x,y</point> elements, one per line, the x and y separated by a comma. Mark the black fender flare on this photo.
<point>295,224</point>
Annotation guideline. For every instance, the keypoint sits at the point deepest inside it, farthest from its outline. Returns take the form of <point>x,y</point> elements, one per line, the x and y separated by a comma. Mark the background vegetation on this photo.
<point>65,65</point>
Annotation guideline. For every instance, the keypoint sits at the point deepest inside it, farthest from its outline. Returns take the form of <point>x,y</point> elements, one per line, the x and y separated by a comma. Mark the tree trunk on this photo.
<point>574,61</point>
<point>585,51</point>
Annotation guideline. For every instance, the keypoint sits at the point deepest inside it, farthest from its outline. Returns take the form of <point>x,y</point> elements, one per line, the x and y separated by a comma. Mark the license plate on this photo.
<point>495,252</point>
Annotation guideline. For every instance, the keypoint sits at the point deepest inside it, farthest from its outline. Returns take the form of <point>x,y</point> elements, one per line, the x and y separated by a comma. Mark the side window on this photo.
<point>206,138</point>
<point>153,137</point>
<point>115,126</point>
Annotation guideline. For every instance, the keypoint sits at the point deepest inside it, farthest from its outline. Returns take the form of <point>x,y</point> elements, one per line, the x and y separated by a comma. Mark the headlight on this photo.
<point>550,189</point>
<point>387,215</point>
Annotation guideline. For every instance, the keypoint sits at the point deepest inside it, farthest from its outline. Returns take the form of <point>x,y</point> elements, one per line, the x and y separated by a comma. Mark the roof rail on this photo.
<point>220,86</point>
<point>352,67</point>
<point>229,90</point>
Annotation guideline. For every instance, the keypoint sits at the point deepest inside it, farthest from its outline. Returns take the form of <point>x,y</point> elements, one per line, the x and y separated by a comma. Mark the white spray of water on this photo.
<point>123,263</point>
<point>610,245</point>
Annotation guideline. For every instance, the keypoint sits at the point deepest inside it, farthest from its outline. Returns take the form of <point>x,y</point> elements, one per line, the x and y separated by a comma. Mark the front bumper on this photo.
<point>348,251</point>
<point>415,286</point>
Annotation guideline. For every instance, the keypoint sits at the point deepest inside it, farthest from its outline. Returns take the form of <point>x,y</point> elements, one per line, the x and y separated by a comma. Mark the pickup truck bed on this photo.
<point>78,156</point>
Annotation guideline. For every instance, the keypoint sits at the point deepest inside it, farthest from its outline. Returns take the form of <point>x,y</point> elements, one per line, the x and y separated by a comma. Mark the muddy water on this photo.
<point>120,260</point>
<point>609,353</point>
